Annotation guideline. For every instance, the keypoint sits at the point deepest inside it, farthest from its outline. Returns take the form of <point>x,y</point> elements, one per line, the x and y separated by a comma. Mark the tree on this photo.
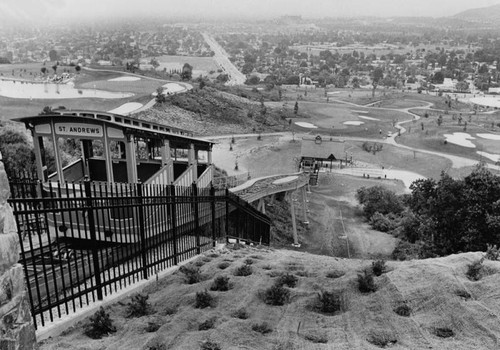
<point>160,95</point>
<point>43,70</point>
<point>53,56</point>
<point>78,68</point>
<point>437,78</point>
<point>378,199</point>
<point>187,72</point>
<point>378,74</point>
<point>296,108</point>
<point>54,67</point>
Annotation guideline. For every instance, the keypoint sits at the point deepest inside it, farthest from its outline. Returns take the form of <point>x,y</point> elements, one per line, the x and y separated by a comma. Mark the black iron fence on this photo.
<point>82,241</point>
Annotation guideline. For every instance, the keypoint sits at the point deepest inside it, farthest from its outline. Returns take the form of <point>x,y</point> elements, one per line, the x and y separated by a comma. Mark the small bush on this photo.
<point>474,270</point>
<point>208,324</point>
<point>156,345</point>
<point>191,273</point>
<point>210,345</point>
<point>403,310</point>
<point>288,280</point>
<point>366,284</point>
<point>213,255</point>
<point>316,337</point>
<point>263,328</point>
<point>492,252</point>
<point>303,273</point>
<point>221,284</point>
<point>169,310</point>
<point>443,332</point>
<point>381,338</point>
<point>199,263</point>
<point>330,302</point>
<point>267,267</point>
<point>100,324</point>
<point>139,306</point>
<point>275,273</point>
<point>152,327</point>
<point>463,294</point>
<point>203,300</point>
<point>243,270</point>
<point>258,257</point>
<point>241,313</point>
<point>248,261</point>
<point>276,295</point>
<point>335,274</point>
<point>378,267</point>
<point>223,265</point>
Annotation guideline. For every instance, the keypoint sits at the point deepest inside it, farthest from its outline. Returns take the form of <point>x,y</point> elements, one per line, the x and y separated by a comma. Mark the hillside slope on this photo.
<point>213,112</point>
<point>483,14</point>
<point>442,301</point>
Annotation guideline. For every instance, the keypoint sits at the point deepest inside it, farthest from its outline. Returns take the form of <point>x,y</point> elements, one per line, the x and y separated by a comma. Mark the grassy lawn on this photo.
<point>392,157</point>
<point>330,118</point>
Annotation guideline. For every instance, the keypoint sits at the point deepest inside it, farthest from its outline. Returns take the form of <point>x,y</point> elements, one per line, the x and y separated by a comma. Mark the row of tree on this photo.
<point>443,217</point>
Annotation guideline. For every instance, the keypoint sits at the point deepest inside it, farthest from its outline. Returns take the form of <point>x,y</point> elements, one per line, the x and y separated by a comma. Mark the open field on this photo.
<point>436,293</point>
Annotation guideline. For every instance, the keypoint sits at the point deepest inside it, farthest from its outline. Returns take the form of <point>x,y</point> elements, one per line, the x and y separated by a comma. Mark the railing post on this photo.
<point>227,215</point>
<point>93,238</point>
<point>194,198</point>
<point>142,231</point>
<point>212,203</point>
<point>173,212</point>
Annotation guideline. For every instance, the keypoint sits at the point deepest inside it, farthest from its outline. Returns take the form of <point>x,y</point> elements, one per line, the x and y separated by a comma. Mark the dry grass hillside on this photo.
<point>212,112</point>
<point>425,304</point>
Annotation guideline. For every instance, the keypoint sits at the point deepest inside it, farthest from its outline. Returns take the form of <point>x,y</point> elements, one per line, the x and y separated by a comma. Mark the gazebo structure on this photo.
<point>315,151</point>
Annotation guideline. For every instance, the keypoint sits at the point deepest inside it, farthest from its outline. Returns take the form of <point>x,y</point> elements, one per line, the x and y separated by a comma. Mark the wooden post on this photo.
<point>304,203</point>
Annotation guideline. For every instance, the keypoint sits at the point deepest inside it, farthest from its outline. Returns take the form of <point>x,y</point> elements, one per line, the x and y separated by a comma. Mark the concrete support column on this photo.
<point>294,224</point>
<point>165,152</point>
<point>209,156</point>
<point>107,157</point>
<point>16,325</point>
<point>304,204</point>
<point>193,161</point>
<point>131,160</point>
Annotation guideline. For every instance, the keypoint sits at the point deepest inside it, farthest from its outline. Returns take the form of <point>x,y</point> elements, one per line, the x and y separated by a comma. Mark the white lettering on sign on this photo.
<point>78,129</point>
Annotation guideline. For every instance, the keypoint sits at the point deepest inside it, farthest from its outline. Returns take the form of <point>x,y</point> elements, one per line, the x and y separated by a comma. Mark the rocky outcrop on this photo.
<point>16,325</point>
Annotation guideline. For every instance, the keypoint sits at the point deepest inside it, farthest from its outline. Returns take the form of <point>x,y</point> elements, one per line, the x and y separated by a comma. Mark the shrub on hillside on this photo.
<point>475,270</point>
<point>316,337</point>
<point>210,345</point>
<point>243,270</point>
<point>191,273</point>
<point>139,306</point>
<point>331,302</point>
<point>203,300</point>
<point>276,295</point>
<point>366,284</point>
<point>403,310</point>
<point>263,328</point>
<point>208,324</point>
<point>221,284</point>
<point>378,267</point>
<point>100,324</point>
<point>443,332</point>
<point>223,265</point>
<point>288,280</point>
<point>241,313</point>
<point>335,274</point>
<point>381,338</point>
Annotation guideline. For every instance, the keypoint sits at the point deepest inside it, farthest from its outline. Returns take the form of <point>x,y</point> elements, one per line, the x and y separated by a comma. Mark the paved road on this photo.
<point>235,76</point>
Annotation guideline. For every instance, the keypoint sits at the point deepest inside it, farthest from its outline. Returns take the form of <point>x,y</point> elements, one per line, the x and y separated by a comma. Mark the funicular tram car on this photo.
<point>114,151</point>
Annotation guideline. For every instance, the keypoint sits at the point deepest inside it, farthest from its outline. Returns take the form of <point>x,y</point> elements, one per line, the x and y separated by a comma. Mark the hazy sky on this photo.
<point>28,10</point>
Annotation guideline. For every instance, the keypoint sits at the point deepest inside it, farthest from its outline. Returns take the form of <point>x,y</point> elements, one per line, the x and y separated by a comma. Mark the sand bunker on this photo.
<point>285,180</point>
<point>490,156</point>
<point>489,136</point>
<point>460,139</point>
<point>306,125</point>
<point>367,118</point>
<point>333,92</point>
<point>353,122</point>
<point>125,79</point>
<point>486,101</point>
<point>16,89</point>
<point>126,108</point>
<point>359,111</point>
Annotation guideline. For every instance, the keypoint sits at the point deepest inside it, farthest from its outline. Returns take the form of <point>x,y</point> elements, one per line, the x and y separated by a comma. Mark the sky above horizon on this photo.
<point>42,10</point>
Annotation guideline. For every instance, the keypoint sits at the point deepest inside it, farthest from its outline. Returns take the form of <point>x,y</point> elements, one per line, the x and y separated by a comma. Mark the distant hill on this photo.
<point>484,14</point>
